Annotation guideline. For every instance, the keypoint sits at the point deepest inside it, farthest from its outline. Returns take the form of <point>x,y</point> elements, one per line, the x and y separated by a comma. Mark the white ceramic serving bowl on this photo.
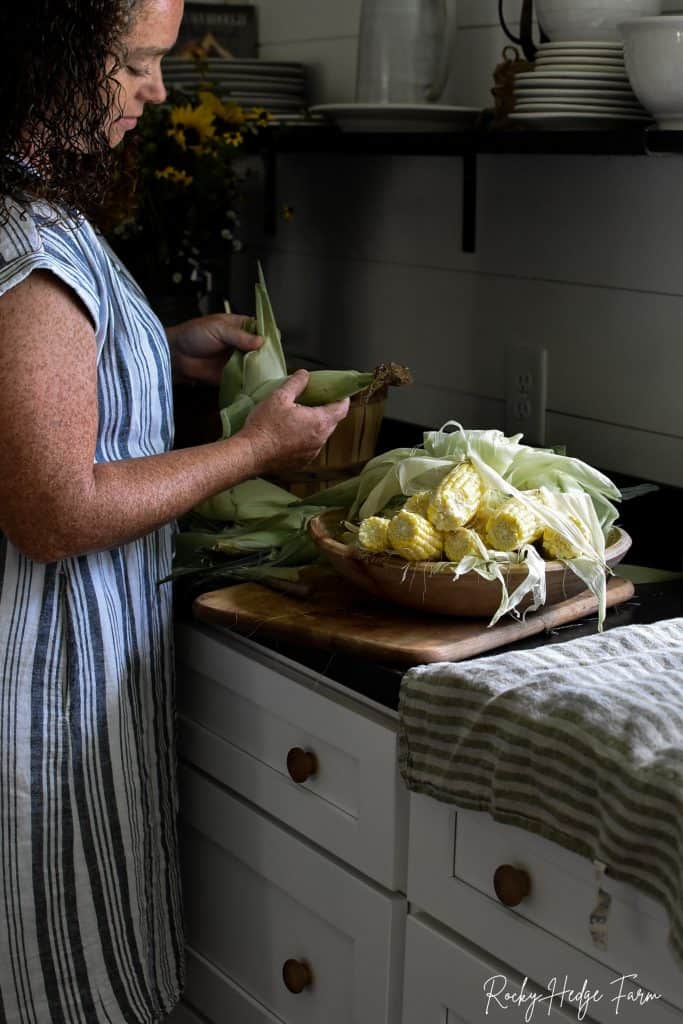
<point>590,19</point>
<point>653,53</point>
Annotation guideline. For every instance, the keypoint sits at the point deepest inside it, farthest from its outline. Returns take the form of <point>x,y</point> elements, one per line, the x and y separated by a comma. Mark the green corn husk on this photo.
<point>250,500</point>
<point>250,377</point>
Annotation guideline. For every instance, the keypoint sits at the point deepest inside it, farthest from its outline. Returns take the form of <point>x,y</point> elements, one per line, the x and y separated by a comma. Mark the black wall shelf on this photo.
<point>467,145</point>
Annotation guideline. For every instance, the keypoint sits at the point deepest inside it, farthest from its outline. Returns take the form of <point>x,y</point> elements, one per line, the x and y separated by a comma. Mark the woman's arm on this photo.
<point>54,501</point>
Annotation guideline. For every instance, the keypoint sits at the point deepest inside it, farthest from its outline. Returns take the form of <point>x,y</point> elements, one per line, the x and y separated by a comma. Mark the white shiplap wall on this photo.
<point>583,255</point>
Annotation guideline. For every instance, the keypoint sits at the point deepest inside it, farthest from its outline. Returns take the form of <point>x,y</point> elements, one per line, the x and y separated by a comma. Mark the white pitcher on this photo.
<point>404,50</point>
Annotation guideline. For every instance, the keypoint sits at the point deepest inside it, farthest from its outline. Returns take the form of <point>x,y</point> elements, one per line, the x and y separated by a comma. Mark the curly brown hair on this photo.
<point>56,89</point>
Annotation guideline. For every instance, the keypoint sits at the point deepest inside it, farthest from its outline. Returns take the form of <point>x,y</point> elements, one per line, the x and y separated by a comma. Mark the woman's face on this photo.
<point>152,34</point>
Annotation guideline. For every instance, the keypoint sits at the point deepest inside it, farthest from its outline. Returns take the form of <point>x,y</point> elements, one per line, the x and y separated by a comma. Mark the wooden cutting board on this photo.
<point>336,616</point>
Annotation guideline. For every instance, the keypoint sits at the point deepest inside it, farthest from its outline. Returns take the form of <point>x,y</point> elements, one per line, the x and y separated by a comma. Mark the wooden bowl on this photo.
<point>430,587</point>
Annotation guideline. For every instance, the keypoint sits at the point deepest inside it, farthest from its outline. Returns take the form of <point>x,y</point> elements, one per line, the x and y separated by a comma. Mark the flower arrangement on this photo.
<point>183,225</point>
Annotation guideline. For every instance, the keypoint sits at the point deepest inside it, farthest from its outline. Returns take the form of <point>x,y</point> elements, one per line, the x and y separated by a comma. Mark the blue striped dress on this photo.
<point>90,923</point>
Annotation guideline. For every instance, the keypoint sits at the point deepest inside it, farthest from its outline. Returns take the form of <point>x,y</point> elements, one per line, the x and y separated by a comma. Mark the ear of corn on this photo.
<point>490,502</point>
<point>419,503</point>
<point>414,538</point>
<point>554,545</point>
<point>323,386</point>
<point>456,499</point>
<point>249,377</point>
<point>512,525</point>
<point>373,533</point>
<point>331,385</point>
<point>459,543</point>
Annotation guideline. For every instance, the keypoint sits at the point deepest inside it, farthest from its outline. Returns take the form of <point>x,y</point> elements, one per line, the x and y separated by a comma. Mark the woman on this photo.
<point>89,490</point>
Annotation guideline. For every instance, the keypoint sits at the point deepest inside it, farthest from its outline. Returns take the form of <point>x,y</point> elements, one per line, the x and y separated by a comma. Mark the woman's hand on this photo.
<point>284,434</point>
<point>200,348</point>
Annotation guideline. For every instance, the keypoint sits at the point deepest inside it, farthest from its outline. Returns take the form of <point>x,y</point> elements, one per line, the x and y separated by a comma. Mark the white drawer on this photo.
<point>447,981</point>
<point>217,998</point>
<point>255,896</point>
<point>241,714</point>
<point>452,859</point>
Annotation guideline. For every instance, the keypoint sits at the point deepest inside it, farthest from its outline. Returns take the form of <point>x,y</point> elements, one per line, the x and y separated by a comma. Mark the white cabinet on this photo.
<point>449,981</point>
<point>453,857</point>
<point>316,873</point>
<point>257,898</point>
<point>242,715</point>
<point>292,889</point>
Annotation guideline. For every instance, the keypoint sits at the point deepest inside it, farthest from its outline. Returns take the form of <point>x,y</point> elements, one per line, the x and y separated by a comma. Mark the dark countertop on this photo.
<point>652,602</point>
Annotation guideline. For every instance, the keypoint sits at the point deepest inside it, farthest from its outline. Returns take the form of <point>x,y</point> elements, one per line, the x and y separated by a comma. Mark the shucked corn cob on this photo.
<point>494,521</point>
<point>414,538</point>
<point>512,525</point>
<point>556,546</point>
<point>461,542</point>
<point>372,533</point>
<point>490,503</point>
<point>419,503</point>
<point>456,499</point>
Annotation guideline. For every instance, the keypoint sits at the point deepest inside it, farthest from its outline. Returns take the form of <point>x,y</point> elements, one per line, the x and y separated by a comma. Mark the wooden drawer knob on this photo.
<point>301,764</point>
<point>512,884</point>
<point>296,975</point>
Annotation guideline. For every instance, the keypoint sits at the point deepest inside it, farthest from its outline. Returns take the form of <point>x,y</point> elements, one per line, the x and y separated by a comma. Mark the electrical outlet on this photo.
<point>526,383</point>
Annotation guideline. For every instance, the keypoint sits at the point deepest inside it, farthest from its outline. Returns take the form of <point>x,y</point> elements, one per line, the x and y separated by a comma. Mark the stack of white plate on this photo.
<point>279,86</point>
<point>577,85</point>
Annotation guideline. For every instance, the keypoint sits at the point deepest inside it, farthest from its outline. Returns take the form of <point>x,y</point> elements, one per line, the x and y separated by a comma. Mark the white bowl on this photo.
<point>590,19</point>
<point>653,53</point>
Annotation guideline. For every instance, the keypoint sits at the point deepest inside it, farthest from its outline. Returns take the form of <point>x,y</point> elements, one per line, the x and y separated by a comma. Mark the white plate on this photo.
<point>232,75</point>
<point>598,62</point>
<point>236,62</point>
<point>572,75</point>
<point>581,44</point>
<point>568,84</point>
<point>208,70</point>
<point>567,92</point>
<point>398,117</point>
<point>575,122</point>
<point>633,108</point>
<point>581,108</point>
<point>290,89</point>
<point>601,95</point>
<point>585,56</point>
<point>267,76</point>
<point>560,51</point>
<point>544,50</point>
<point>586,69</point>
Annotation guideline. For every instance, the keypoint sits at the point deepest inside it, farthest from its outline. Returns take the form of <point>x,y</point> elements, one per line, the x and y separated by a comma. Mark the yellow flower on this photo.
<point>287,213</point>
<point>260,115</point>
<point>209,101</point>
<point>192,126</point>
<point>234,138</point>
<point>173,174</point>
<point>233,113</point>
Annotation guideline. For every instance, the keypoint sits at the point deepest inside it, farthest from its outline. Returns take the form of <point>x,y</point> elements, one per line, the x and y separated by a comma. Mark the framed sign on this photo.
<point>218,30</point>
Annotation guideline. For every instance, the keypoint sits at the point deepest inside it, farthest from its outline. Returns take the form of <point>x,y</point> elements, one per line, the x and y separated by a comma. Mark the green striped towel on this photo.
<point>580,742</point>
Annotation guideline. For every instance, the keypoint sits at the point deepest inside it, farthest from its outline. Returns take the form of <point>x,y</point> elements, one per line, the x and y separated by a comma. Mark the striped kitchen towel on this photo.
<point>580,742</point>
